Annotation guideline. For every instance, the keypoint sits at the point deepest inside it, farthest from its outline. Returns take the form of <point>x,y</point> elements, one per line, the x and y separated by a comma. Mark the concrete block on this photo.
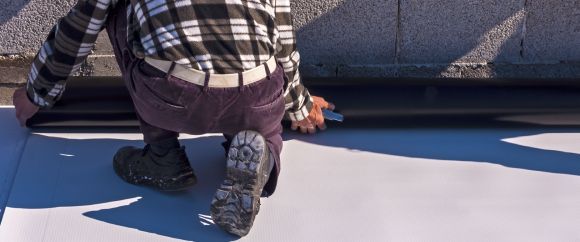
<point>476,71</point>
<point>461,31</point>
<point>103,45</point>
<point>346,31</point>
<point>552,31</point>
<point>501,70</point>
<point>101,66</point>
<point>14,74</point>
<point>367,71</point>
<point>6,95</point>
<point>24,24</point>
<point>429,71</point>
<point>14,69</point>
<point>575,69</point>
<point>523,71</point>
<point>316,71</point>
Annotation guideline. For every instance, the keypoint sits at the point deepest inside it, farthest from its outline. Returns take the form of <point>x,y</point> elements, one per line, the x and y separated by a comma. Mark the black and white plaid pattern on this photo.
<point>216,36</point>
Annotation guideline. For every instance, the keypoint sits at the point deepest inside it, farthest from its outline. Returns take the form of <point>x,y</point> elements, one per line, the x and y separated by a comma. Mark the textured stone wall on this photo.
<point>363,38</point>
<point>430,38</point>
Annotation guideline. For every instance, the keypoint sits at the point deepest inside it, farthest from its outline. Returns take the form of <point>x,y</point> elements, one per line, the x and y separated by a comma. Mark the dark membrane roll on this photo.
<point>89,102</point>
<point>105,101</point>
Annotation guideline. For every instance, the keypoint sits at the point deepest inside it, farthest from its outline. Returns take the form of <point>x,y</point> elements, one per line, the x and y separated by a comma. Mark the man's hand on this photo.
<point>315,118</point>
<point>25,109</point>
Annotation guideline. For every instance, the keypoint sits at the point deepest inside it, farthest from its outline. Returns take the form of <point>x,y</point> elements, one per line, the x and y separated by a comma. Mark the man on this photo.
<point>191,66</point>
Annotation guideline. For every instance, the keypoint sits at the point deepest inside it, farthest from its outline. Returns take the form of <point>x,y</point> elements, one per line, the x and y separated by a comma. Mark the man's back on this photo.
<point>217,36</point>
<point>214,36</point>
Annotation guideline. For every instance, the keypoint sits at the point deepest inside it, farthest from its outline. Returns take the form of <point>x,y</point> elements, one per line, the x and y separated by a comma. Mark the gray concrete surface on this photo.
<point>6,95</point>
<point>336,31</point>
<point>14,68</point>
<point>552,31</point>
<point>103,45</point>
<point>25,23</point>
<point>386,38</point>
<point>475,31</point>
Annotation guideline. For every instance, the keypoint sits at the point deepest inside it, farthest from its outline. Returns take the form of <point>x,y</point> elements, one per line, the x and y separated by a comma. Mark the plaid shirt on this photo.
<point>216,36</point>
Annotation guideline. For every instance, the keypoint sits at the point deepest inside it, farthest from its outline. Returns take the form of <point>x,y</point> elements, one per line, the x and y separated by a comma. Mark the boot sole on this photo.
<point>237,201</point>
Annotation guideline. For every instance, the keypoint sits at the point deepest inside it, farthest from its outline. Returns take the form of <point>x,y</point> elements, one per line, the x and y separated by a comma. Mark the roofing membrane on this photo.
<point>355,184</point>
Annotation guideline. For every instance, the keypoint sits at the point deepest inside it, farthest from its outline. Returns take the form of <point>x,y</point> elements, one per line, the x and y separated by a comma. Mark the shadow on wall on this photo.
<point>341,33</point>
<point>10,9</point>
<point>427,34</point>
<point>346,32</point>
<point>499,41</point>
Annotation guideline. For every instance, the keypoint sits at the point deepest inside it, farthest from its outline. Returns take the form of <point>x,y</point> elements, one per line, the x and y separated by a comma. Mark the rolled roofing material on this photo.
<point>105,102</point>
<point>101,102</point>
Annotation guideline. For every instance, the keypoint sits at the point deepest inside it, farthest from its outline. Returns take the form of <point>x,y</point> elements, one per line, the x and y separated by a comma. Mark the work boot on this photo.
<point>168,172</point>
<point>237,201</point>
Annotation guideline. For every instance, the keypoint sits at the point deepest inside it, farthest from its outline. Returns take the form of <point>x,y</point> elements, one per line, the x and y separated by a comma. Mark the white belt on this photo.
<point>215,80</point>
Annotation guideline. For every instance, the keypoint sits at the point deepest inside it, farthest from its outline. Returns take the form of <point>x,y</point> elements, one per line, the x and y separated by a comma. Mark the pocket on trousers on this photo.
<point>146,90</point>
<point>161,99</point>
<point>278,102</point>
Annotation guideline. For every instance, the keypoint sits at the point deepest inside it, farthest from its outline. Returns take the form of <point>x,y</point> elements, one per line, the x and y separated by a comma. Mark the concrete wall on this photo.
<point>363,38</point>
<point>431,38</point>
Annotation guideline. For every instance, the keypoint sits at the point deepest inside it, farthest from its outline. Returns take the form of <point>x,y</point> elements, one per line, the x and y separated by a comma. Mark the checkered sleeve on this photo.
<point>298,99</point>
<point>68,44</point>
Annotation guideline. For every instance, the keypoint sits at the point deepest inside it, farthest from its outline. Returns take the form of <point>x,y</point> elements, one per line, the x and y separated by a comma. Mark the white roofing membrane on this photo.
<point>427,184</point>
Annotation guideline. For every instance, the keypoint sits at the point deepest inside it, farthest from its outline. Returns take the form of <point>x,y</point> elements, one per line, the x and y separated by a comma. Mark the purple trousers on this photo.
<point>167,106</point>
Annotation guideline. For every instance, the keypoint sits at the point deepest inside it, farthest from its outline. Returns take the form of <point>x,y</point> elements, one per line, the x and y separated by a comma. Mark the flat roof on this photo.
<point>345,184</point>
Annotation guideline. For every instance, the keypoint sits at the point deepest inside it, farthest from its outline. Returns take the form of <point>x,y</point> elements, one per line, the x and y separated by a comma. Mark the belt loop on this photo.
<point>240,81</point>
<point>267,68</point>
<point>170,70</point>
<point>206,82</point>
